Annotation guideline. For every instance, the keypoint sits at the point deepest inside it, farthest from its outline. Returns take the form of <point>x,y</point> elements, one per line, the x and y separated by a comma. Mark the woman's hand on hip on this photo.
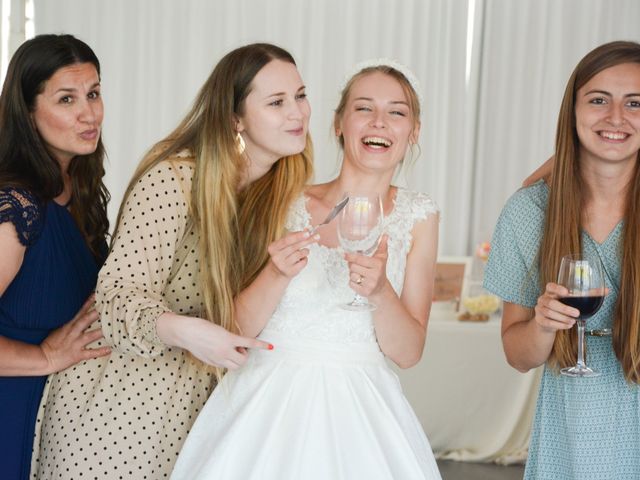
<point>67,345</point>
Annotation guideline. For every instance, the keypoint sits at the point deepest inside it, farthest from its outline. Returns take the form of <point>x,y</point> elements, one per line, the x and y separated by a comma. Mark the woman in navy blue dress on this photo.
<point>53,227</point>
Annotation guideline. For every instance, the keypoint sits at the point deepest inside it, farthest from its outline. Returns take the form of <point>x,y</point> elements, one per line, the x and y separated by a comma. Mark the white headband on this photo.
<point>385,62</point>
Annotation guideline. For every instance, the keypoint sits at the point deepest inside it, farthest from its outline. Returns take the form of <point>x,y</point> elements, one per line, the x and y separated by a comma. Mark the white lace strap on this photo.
<point>298,218</point>
<point>422,205</point>
<point>410,207</point>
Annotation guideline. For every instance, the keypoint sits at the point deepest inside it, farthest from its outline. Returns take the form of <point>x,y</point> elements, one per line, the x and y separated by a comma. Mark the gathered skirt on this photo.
<point>308,410</point>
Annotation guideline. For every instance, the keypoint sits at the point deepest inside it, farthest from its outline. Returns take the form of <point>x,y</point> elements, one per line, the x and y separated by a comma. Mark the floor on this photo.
<point>451,470</point>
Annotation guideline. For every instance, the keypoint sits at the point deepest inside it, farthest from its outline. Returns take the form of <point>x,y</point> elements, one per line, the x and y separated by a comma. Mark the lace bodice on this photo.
<point>310,305</point>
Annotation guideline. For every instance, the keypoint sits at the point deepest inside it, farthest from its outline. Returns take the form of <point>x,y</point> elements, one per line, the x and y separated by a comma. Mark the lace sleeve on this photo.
<point>22,209</point>
<point>409,208</point>
<point>422,205</point>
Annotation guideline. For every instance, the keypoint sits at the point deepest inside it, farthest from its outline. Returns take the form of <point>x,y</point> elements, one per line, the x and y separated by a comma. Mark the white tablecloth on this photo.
<point>472,404</point>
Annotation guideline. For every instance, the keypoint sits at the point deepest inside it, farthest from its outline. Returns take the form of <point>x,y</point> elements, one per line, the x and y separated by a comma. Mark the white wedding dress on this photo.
<point>323,405</point>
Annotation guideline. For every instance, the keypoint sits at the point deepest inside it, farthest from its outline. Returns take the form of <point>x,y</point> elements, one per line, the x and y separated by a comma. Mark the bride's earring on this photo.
<point>240,145</point>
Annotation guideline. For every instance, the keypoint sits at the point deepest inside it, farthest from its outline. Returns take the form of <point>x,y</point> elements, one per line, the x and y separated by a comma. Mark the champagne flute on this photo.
<point>583,276</point>
<point>359,231</point>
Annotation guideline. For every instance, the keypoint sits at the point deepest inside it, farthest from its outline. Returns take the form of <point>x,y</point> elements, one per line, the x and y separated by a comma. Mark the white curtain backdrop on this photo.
<point>480,137</point>
<point>492,73</point>
<point>155,54</point>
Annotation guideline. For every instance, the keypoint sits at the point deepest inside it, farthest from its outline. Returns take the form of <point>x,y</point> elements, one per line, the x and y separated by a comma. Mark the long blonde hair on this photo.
<point>563,219</point>
<point>234,228</point>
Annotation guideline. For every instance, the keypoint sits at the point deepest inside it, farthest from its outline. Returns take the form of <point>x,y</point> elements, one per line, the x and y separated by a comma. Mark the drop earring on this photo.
<point>240,145</point>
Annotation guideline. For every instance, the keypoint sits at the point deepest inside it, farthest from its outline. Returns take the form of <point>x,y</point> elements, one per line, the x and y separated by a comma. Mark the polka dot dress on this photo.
<point>126,416</point>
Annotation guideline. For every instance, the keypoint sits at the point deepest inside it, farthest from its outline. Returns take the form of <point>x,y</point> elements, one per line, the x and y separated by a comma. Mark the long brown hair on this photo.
<point>234,228</point>
<point>563,218</point>
<point>24,159</point>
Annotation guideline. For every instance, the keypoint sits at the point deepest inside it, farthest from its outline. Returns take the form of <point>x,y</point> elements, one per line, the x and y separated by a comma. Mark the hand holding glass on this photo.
<point>583,276</point>
<point>359,231</point>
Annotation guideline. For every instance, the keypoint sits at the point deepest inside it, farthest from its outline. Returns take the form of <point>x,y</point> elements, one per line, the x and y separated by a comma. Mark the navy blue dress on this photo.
<point>57,275</point>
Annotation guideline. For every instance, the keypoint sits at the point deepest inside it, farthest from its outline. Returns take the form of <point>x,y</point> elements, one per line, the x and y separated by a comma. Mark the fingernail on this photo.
<point>270,347</point>
<point>316,237</point>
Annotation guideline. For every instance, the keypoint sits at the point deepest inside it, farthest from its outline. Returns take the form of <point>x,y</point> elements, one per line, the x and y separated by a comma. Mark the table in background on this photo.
<point>472,404</point>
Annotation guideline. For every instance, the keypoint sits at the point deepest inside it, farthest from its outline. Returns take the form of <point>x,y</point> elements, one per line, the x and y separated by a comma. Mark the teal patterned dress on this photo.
<point>584,428</point>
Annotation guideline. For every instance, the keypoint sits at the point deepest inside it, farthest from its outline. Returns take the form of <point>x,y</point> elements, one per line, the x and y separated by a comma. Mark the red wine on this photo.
<point>587,305</point>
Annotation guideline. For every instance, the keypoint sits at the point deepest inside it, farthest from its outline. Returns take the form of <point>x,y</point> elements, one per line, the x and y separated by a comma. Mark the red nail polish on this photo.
<point>270,347</point>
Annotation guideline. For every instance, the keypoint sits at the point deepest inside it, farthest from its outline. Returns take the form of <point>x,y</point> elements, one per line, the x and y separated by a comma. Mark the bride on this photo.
<point>323,404</point>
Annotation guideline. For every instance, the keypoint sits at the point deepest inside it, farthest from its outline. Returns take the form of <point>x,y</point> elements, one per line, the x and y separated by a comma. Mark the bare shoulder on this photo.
<point>425,214</point>
<point>315,193</point>
<point>315,198</point>
<point>425,236</point>
<point>8,236</point>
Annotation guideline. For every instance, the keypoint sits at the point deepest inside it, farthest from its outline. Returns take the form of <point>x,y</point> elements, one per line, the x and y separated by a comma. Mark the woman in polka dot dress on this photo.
<point>585,428</point>
<point>166,292</point>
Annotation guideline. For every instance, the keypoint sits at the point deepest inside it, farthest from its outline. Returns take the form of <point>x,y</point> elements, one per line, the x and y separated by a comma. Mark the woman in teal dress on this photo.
<point>53,225</point>
<point>584,428</point>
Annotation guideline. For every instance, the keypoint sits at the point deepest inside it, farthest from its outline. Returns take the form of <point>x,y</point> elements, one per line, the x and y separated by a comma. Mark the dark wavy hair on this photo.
<point>24,159</point>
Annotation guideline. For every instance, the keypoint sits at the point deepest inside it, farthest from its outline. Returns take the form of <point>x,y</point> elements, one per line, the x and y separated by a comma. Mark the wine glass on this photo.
<point>583,276</point>
<point>359,231</point>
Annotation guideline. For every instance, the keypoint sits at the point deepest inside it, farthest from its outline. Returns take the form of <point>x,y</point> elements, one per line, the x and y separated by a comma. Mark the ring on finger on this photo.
<point>359,280</point>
